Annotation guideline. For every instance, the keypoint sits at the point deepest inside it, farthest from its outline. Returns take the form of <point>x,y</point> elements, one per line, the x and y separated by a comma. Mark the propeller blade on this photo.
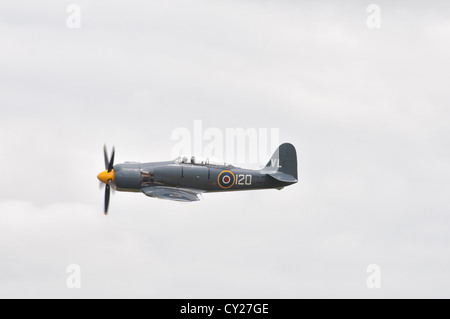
<point>105,155</point>
<point>113,186</point>
<point>107,189</point>
<point>111,162</point>
<point>103,176</point>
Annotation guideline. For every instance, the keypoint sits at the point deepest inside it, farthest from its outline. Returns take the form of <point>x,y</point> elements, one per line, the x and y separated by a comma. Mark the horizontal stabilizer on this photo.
<point>283,177</point>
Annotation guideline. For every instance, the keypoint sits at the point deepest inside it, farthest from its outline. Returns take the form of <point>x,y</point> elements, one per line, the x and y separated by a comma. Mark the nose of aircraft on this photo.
<point>105,176</point>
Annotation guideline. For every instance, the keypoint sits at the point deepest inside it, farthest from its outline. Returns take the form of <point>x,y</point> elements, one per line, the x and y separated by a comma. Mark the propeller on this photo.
<point>107,176</point>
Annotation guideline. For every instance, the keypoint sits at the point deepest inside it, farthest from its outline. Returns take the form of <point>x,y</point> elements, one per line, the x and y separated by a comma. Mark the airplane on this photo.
<point>183,179</point>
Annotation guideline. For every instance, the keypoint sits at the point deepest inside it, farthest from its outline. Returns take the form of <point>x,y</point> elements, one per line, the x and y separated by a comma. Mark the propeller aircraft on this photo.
<point>183,179</point>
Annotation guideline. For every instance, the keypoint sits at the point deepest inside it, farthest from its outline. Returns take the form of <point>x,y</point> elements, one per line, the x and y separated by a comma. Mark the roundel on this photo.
<point>226,179</point>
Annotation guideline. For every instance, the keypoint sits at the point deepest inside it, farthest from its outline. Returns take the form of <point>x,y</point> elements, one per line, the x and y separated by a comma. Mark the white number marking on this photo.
<point>244,179</point>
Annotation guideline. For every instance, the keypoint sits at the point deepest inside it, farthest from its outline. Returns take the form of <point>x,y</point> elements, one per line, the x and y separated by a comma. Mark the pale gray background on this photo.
<point>367,110</point>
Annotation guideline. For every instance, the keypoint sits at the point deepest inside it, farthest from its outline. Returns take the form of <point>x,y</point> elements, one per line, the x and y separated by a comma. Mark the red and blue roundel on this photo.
<point>226,179</point>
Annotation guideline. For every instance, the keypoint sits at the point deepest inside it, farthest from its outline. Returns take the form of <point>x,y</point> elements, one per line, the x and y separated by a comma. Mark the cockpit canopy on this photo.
<point>197,160</point>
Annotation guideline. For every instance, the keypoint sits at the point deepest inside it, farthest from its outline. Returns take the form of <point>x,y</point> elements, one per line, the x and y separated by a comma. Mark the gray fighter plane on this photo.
<point>184,178</point>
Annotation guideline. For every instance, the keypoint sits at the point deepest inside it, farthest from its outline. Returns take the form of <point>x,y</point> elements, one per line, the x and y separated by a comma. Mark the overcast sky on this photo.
<point>366,108</point>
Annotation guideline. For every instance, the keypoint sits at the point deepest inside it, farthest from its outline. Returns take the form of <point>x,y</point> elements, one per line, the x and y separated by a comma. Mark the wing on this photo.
<point>172,193</point>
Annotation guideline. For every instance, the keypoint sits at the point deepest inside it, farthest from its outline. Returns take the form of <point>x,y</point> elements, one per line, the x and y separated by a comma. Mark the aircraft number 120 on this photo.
<point>244,179</point>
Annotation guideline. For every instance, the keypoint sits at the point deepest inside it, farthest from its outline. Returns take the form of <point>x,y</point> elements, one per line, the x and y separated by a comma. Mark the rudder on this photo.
<point>283,160</point>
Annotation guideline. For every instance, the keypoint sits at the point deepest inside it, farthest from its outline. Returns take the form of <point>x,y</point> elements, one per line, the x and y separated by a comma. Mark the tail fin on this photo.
<point>284,161</point>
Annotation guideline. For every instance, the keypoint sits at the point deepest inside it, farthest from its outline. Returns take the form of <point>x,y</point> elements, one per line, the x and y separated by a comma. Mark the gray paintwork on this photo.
<point>175,180</point>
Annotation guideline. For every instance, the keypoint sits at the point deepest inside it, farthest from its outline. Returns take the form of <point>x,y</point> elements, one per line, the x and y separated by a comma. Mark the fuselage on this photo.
<point>208,178</point>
